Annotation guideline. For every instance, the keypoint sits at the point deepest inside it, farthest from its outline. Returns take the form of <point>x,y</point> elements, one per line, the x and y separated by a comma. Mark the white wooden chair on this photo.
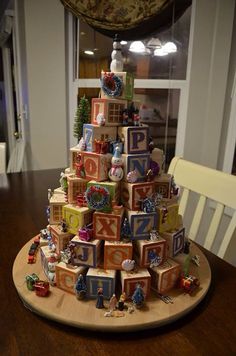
<point>209,184</point>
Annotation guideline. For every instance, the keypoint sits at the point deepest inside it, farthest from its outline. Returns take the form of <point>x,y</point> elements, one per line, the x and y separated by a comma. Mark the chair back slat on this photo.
<point>183,201</point>
<point>215,223</point>
<point>227,238</point>
<point>197,217</point>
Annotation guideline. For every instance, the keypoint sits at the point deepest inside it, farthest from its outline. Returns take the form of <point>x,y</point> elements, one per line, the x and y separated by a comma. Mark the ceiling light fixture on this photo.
<point>154,43</point>
<point>90,53</point>
<point>160,52</point>
<point>123,43</point>
<point>170,47</point>
<point>137,47</point>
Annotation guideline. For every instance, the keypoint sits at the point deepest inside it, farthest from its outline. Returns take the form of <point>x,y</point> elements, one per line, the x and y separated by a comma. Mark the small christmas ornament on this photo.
<point>132,176</point>
<point>136,118</point>
<point>116,172</point>
<point>80,288</point>
<point>100,119</point>
<point>125,229</point>
<point>99,303</point>
<point>154,259</point>
<point>63,182</point>
<point>82,144</point>
<point>154,166</point>
<point>116,56</point>
<point>97,197</point>
<point>148,205</point>
<point>154,236</point>
<point>128,265</point>
<point>138,296</point>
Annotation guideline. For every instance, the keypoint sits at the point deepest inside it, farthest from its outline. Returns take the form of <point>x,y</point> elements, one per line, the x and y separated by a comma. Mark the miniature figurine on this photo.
<point>128,265</point>
<point>196,260</point>
<point>52,262</point>
<point>136,118</point>
<point>79,167</point>
<point>63,225</point>
<point>50,194</point>
<point>121,301</point>
<point>125,117</point>
<point>117,59</point>
<point>99,303</point>
<point>63,182</point>
<point>154,235</point>
<point>151,144</point>
<point>125,229</point>
<point>155,260</point>
<point>80,288</point>
<point>138,296</point>
<point>113,303</point>
<point>82,144</point>
<point>186,247</point>
<point>174,187</point>
<point>116,172</point>
<point>155,168</point>
<point>132,176</point>
<point>100,119</point>
<point>148,205</point>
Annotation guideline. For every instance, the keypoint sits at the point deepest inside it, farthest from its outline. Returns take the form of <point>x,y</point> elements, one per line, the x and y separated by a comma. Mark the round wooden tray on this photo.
<point>65,308</point>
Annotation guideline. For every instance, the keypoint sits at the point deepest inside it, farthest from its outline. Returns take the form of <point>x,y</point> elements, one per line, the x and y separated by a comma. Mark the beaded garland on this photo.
<point>97,197</point>
<point>111,84</point>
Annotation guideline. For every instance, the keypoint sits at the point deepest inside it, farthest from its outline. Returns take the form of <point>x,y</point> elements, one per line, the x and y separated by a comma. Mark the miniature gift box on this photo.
<point>127,85</point>
<point>67,275</point>
<point>115,253</point>
<point>56,203</point>
<point>76,217</point>
<point>162,185</point>
<point>100,278</point>
<point>138,162</point>
<point>135,139</point>
<point>165,277</point>
<point>96,165</point>
<point>145,249</point>
<point>110,109</point>
<point>129,281</point>
<point>76,187</point>
<point>168,218</point>
<point>132,194</point>
<point>86,253</point>
<point>107,226</point>
<point>60,238</point>
<point>175,241</point>
<point>141,224</point>
<point>93,133</point>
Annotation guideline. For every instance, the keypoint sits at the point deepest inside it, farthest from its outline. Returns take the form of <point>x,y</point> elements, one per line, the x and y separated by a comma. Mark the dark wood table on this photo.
<point>208,330</point>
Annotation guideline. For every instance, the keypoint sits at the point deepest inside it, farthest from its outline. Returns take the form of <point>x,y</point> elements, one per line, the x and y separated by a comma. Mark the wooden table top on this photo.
<point>208,330</point>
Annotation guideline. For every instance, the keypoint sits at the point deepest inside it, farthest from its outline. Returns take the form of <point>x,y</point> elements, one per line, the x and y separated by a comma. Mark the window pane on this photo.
<point>145,66</point>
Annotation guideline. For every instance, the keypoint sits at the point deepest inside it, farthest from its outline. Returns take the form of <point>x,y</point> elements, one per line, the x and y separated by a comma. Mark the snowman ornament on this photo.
<point>116,172</point>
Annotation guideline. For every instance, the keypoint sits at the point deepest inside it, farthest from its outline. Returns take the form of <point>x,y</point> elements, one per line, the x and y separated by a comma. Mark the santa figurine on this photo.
<point>116,172</point>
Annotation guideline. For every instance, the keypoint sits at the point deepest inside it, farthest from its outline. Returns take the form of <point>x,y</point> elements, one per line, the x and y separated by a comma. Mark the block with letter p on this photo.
<point>135,139</point>
<point>138,162</point>
<point>66,276</point>
<point>100,278</point>
<point>129,282</point>
<point>107,226</point>
<point>133,193</point>
<point>86,253</point>
<point>141,224</point>
<point>115,253</point>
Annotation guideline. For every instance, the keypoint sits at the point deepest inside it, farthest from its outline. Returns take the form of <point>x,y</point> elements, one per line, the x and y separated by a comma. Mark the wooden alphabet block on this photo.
<point>141,224</point>
<point>127,86</point>
<point>86,253</point>
<point>157,156</point>
<point>144,248</point>
<point>168,218</point>
<point>129,281</point>
<point>76,186</point>
<point>60,238</point>
<point>135,139</point>
<point>93,132</point>
<point>112,187</point>
<point>111,110</point>
<point>133,193</point>
<point>115,253</point>
<point>96,165</point>
<point>165,277</point>
<point>67,275</point>
<point>107,226</point>
<point>163,185</point>
<point>139,162</point>
<point>100,278</point>
<point>76,217</point>
<point>74,151</point>
<point>56,204</point>
<point>45,254</point>
<point>175,241</point>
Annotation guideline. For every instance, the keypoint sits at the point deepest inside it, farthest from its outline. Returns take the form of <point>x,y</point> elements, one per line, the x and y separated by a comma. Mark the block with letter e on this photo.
<point>111,110</point>
<point>67,275</point>
<point>138,162</point>
<point>144,249</point>
<point>162,185</point>
<point>86,253</point>
<point>76,217</point>
<point>168,217</point>
<point>141,224</point>
<point>165,277</point>
<point>100,278</point>
<point>115,253</point>
<point>107,226</point>
<point>93,132</point>
<point>76,186</point>
<point>130,280</point>
<point>175,241</point>
<point>135,138</point>
<point>56,203</point>
<point>132,194</point>
<point>96,165</point>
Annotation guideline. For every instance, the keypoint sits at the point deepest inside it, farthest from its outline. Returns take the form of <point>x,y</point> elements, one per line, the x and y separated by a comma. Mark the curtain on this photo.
<point>131,19</point>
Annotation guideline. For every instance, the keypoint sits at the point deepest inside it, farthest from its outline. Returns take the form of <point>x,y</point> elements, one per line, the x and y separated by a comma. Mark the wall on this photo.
<point>45,58</point>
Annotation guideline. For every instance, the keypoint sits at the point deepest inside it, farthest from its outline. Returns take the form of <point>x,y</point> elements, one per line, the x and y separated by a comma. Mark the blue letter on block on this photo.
<point>88,136</point>
<point>142,224</point>
<point>178,241</point>
<point>141,163</point>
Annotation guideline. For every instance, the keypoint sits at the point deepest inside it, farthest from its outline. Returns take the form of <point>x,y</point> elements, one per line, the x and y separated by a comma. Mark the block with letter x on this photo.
<point>107,226</point>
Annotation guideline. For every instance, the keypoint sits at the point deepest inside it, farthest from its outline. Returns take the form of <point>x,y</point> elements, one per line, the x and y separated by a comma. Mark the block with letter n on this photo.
<point>107,226</point>
<point>76,217</point>
<point>66,276</point>
<point>132,194</point>
<point>96,165</point>
<point>130,280</point>
<point>93,132</point>
<point>115,253</point>
<point>135,139</point>
<point>85,253</point>
<point>100,278</point>
<point>141,224</point>
<point>138,162</point>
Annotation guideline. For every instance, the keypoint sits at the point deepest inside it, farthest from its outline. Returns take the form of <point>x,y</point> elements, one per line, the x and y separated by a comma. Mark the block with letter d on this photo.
<point>107,226</point>
<point>96,165</point>
<point>138,162</point>
<point>86,253</point>
<point>100,278</point>
<point>165,277</point>
<point>67,275</point>
<point>145,249</point>
<point>175,241</point>
<point>133,193</point>
<point>141,224</point>
<point>115,253</point>
<point>135,139</point>
<point>129,282</point>
<point>76,217</point>
<point>93,132</point>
